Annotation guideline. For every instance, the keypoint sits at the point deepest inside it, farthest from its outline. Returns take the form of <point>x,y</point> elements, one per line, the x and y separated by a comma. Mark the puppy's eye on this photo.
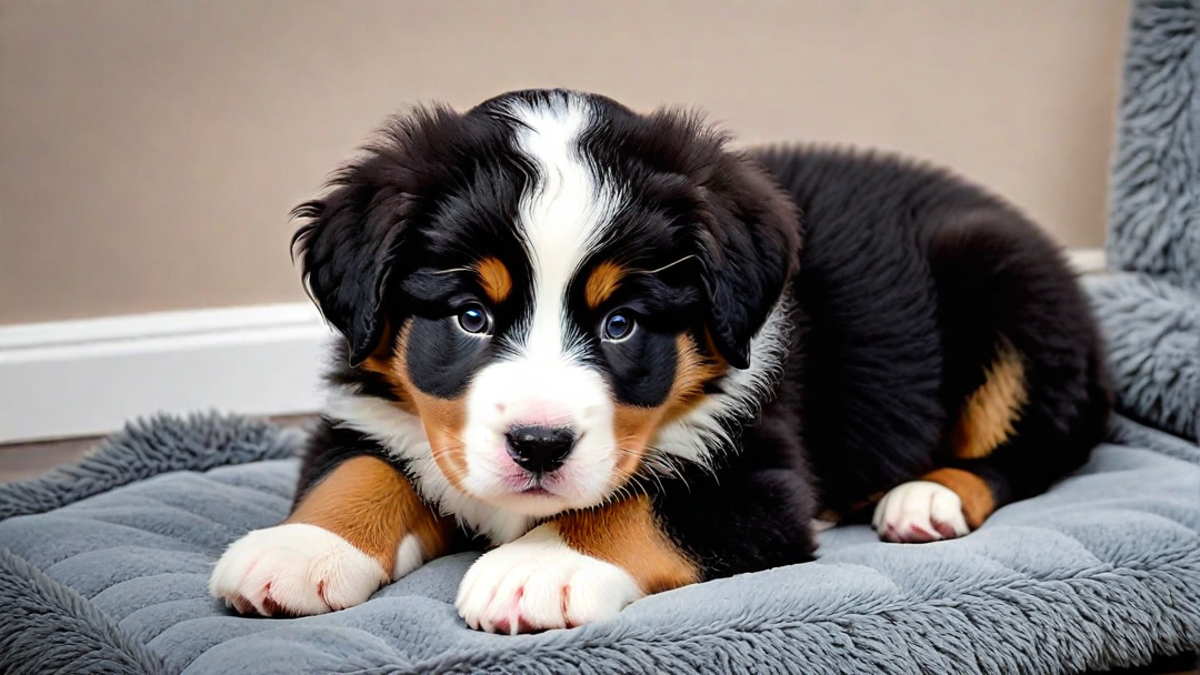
<point>475,319</point>
<point>617,326</point>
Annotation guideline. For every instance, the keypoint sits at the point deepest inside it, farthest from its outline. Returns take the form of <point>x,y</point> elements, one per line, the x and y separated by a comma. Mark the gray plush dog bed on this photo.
<point>1102,571</point>
<point>103,565</point>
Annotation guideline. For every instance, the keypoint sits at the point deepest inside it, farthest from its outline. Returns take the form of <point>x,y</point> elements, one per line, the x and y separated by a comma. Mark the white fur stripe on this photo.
<point>561,217</point>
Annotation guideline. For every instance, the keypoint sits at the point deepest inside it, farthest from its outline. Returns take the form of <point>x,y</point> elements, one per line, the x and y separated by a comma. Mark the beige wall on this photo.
<point>150,151</point>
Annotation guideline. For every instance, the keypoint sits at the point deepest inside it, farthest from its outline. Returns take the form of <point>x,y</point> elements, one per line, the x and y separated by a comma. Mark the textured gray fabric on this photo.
<point>150,447</point>
<point>1153,333</point>
<point>48,628</point>
<point>1104,570</point>
<point>1154,199</point>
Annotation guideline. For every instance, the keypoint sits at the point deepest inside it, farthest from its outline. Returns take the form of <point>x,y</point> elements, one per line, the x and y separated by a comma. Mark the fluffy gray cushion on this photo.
<point>1154,198</point>
<point>1102,571</point>
<point>1153,333</point>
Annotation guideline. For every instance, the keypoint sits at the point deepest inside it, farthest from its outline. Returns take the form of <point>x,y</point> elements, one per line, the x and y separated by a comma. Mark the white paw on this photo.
<point>919,511</point>
<point>294,570</point>
<point>537,582</point>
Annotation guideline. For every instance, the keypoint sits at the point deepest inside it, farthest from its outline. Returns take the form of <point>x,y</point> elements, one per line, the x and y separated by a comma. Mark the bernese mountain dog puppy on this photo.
<point>626,358</point>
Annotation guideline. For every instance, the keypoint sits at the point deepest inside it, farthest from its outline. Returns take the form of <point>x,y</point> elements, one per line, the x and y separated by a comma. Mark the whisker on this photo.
<point>453,270</point>
<point>667,266</point>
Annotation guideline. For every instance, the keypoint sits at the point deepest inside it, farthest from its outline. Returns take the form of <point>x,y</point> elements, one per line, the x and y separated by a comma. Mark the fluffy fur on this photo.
<point>593,338</point>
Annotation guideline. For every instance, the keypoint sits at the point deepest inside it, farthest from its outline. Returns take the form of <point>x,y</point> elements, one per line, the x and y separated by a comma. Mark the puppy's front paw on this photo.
<point>919,511</point>
<point>538,582</point>
<point>294,570</point>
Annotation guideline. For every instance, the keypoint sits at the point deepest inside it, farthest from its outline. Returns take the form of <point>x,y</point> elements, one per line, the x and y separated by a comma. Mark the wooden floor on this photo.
<point>26,460</point>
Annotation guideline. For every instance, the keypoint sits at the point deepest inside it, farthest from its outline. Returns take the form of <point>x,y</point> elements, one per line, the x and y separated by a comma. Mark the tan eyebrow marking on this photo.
<point>604,280</point>
<point>494,278</point>
<point>607,277</point>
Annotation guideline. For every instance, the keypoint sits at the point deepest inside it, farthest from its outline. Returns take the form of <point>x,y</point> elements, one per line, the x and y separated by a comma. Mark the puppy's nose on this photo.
<point>539,449</point>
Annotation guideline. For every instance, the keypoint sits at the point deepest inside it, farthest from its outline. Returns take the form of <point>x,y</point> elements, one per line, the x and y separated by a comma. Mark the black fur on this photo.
<point>908,281</point>
<point>381,223</point>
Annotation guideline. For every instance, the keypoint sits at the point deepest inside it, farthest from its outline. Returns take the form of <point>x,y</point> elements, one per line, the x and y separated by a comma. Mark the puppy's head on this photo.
<point>548,281</point>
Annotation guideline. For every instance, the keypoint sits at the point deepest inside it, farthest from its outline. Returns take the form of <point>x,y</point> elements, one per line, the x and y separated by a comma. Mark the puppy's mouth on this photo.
<point>536,491</point>
<point>539,485</point>
<point>533,494</point>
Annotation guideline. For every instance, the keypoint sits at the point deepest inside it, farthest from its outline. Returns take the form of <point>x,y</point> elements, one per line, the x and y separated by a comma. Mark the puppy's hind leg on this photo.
<point>1024,371</point>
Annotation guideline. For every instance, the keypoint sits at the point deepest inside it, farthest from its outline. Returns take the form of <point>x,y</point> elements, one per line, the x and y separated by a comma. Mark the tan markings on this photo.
<point>977,499</point>
<point>604,280</point>
<point>494,278</point>
<point>693,370</point>
<point>990,411</point>
<point>635,427</point>
<point>627,534</point>
<point>442,418</point>
<point>383,362</point>
<point>367,502</point>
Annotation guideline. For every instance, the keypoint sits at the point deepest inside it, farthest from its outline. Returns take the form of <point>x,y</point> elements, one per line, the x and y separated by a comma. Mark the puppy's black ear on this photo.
<point>346,250</point>
<point>361,233</point>
<point>750,247</point>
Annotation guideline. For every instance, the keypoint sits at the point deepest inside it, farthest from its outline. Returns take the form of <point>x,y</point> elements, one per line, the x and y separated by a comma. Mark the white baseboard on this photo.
<point>77,378</point>
<point>1088,260</point>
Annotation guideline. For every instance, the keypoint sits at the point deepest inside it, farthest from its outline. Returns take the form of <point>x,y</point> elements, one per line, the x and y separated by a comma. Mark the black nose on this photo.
<point>539,449</point>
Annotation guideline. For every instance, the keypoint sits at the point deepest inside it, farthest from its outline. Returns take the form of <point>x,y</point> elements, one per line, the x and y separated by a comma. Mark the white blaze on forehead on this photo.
<point>561,216</point>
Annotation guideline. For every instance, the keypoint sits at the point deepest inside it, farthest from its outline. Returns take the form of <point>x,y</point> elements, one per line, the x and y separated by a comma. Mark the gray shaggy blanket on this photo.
<point>103,565</point>
<point>1154,196</point>
<point>103,570</point>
